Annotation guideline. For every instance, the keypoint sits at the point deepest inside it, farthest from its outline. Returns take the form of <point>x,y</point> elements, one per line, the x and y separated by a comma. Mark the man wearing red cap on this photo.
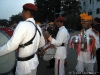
<point>28,37</point>
<point>53,30</point>
<point>86,57</point>
<point>60,43</point>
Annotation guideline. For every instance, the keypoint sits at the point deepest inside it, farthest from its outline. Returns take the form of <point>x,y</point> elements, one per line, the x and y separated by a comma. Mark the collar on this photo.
<point>31,19</point>
<point>61,27</point>
<point>88,30</point>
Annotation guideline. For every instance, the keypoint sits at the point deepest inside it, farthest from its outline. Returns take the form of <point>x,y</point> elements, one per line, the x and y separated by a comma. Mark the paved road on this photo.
<point>72,56</point>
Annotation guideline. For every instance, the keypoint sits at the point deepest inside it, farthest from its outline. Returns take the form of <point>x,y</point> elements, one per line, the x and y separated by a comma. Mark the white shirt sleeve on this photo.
<point>15,40</point>
<point>59,39</point>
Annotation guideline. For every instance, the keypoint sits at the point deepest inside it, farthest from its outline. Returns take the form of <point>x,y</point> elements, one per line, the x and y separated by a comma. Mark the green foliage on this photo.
<point>50,9</point>
<point>47,10</point>
<point>72,11</point>
<point>16,18</point>
<point>4,22</point>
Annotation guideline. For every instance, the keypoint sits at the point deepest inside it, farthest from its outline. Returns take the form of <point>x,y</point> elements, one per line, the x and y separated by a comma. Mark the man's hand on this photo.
<point>46,34</point>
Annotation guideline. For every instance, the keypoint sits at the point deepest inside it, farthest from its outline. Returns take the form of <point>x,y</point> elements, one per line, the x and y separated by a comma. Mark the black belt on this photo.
<point>25,58</point>
<point>26,44</point>
<point>62,44</point>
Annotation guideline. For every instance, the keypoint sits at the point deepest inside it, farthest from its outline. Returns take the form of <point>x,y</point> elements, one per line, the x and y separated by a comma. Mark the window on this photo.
<point>98,10</point>
<point>90,1</point>
<point>98,0</point>
<point>89,13</point>
<point>84,3</point>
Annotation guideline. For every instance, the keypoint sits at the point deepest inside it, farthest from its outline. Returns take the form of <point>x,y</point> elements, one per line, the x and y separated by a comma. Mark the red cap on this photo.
<point>30,6</point>
<point>60,19</point>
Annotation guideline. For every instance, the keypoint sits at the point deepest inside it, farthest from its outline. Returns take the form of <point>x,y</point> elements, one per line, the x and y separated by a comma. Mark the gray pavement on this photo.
<point>69,70</point>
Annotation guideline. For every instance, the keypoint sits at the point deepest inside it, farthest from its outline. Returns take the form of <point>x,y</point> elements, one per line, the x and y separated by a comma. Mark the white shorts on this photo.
<point>81,66</point>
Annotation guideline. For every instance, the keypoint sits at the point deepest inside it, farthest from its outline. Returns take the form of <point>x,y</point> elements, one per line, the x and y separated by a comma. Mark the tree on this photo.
<point>4,22</point>
<point>16,18</point>
<point>72,10</point>
<point>47,10</point>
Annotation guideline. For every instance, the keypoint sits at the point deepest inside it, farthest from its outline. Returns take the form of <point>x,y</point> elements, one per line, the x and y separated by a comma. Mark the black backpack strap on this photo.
<point>30,42</point>
<point>36,28</point>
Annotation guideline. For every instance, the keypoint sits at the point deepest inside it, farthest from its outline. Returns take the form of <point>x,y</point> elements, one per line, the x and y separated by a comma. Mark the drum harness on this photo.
<point>28,43</point>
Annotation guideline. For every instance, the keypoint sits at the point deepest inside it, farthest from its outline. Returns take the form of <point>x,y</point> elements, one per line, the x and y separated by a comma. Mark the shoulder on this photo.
<point>91,32</point>
<point>21,23</point>
<point>64,29</point>
<point>24,22</point>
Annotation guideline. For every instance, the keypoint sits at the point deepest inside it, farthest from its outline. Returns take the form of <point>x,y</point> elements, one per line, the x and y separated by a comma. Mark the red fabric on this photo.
<point>30,6</point>
<point>60,19</point>
<point>70,43</point>
<point>58,66</point>
<point>7,30</point>
<point>92,46</point>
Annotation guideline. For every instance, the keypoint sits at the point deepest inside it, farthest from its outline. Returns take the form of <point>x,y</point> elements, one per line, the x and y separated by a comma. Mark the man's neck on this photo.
<point>87,29</point>
<point>29,17</point>
<point>60,26</point>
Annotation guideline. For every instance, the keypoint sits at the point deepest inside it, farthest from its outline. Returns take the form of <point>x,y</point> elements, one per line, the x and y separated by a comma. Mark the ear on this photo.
<point>91,22</point>
<point>27,12</point>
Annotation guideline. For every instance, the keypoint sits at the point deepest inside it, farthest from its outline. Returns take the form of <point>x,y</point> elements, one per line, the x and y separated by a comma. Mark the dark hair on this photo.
<point>32,12</point>
<point>97,19</point>
<point>63,22</point>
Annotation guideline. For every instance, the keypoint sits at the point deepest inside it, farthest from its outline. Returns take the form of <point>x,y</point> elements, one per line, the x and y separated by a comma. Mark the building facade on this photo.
<point>92,7</point>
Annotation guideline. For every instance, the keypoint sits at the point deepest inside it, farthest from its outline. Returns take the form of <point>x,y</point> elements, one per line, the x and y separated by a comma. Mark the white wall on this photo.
<point>90,7</point>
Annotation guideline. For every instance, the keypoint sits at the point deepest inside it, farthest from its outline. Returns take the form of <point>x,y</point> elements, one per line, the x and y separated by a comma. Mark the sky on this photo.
<point>11,7</point>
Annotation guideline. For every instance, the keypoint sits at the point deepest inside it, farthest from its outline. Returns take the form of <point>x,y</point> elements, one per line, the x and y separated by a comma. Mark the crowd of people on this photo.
<point>28,37</point>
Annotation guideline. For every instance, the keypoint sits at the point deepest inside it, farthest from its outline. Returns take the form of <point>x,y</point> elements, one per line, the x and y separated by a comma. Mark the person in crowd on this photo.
<point>96,30</point>
<point>60,42</point>
<point>14,25</point>
<point>38,23</point>
<point>96,21</point>
<point>86,58</point>
<point>53,30</point>
<point>28,37</point>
